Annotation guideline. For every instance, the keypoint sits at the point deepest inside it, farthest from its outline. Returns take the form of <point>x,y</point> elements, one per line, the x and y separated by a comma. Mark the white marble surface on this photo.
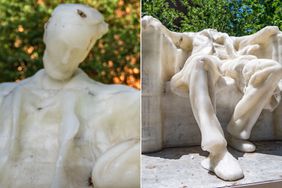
<point>180,167</point>
<point>180,127</point>
<point>225,82</point>
<point>164,56</point>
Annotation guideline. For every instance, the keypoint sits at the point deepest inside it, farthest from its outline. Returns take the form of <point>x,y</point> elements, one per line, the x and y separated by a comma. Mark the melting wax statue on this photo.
<point>200,64</point>
<point>60,128</point>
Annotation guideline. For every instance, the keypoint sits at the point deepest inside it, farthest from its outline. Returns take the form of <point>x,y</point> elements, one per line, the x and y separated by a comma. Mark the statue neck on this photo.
<point>57,70</point>
<point>48,80</point>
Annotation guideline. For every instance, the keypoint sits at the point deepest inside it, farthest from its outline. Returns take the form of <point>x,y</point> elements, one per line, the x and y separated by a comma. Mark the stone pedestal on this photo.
<point>180,167</point>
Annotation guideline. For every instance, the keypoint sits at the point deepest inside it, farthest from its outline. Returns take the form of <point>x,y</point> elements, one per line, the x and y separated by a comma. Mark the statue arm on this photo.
<point>119,164</point>
<point>180,40</point>
<point>260,37</point>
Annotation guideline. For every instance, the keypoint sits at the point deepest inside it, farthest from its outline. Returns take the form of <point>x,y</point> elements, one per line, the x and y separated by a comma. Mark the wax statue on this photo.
<point>214,60</point>
<point>59,128</point>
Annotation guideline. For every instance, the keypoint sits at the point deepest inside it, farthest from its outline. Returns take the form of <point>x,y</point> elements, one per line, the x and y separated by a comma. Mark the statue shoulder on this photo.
<point>119,92</point>
<point>6,88</point>
<point>102,89</point>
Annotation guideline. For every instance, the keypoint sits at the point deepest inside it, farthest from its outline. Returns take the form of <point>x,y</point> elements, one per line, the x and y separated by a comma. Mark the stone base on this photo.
<point>181,168</point>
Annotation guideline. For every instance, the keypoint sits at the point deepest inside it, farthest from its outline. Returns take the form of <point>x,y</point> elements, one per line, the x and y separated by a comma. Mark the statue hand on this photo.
<point>119,166</point>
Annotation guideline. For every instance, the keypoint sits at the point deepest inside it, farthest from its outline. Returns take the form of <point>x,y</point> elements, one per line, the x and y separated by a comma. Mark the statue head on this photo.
<point>69,35</point>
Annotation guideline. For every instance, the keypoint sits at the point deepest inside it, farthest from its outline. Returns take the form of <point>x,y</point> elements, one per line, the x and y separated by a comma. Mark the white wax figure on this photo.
<point>214,61</point>
<point>59,128</point>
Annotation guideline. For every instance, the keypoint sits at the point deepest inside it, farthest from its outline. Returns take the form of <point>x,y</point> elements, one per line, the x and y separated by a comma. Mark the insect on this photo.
<point>81,13</point>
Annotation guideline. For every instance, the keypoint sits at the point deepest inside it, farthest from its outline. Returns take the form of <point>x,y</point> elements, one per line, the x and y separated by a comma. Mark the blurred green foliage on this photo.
<point>114,58</point>
<point>235,17</point>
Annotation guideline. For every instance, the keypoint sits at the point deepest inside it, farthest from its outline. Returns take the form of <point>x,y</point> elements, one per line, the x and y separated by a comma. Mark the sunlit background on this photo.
<point>235,17</point>
<point>114,59</point>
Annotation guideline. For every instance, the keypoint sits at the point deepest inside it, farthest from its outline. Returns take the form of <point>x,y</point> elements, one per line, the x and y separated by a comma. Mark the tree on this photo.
<point>233,17</point>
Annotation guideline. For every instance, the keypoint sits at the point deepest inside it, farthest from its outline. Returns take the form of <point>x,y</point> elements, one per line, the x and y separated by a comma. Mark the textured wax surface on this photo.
<point>59,128</point>
<point>48,133</point>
